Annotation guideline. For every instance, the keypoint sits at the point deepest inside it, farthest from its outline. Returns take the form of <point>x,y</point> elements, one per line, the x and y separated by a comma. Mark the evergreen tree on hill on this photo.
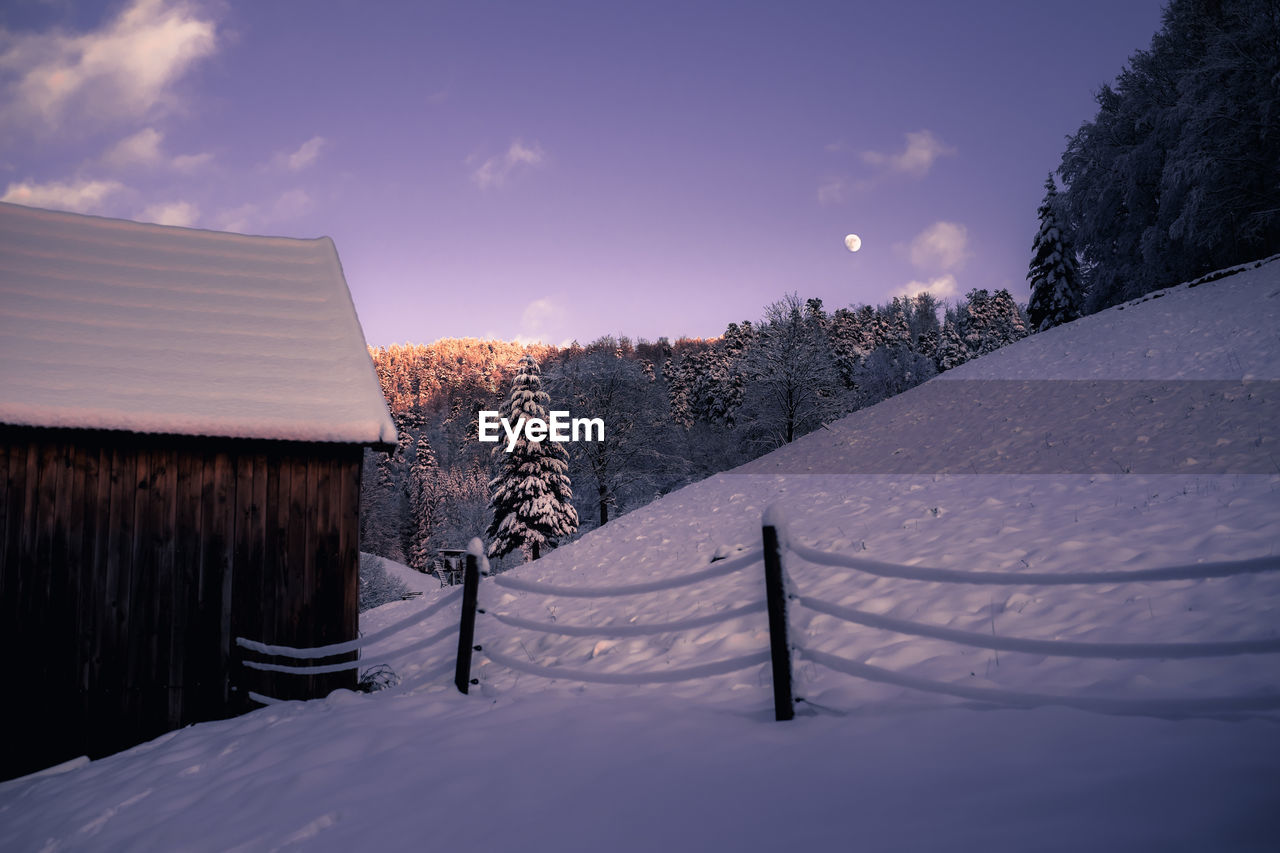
<point>1178,173</point>
<point>987,322</point>
<point>531,497</point>
<point>1055,281</point>
<point>951,351</point>
<point>425,501</point>
<point>1010,324</point>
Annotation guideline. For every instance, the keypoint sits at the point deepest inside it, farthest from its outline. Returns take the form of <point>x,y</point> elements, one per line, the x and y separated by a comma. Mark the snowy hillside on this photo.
<point>1139,438</point>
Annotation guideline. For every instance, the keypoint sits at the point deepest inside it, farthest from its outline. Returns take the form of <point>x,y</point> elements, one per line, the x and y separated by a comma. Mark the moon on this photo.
<point>853,242</point>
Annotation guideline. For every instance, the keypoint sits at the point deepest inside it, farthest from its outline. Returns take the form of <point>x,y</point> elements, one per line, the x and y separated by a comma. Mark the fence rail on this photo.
<point>780,594</point>
<point>320,652</point>
<point>348,646</point>
<point>1174,706</point>
<point>1054,648</point>
<point>298,669</point>
<point>1191,571</point>
<point>718,570</point>
<point>666,676</point>
<point>1155,706</point>
<point>629,630</point>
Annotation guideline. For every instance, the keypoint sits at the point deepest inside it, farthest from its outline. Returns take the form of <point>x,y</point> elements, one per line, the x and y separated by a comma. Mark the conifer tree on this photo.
<point>1009,323</point>
<point>951,351</point>
<point>531,497</point>
<point>378,502</point>
<point>424,504</point>
<point>1056,297</point>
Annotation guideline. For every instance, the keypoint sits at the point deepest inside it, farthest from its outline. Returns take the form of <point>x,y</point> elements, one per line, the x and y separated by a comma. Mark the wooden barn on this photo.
<point>183,416</point>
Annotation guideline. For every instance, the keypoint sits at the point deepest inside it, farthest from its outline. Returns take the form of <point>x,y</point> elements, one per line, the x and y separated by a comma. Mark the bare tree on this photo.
<point>792,383</point>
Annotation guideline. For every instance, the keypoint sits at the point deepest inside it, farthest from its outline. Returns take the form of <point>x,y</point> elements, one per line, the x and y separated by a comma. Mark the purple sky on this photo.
<point>565,170</point>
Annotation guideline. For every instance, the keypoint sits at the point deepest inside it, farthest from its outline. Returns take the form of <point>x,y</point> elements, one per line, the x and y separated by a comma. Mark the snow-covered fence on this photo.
<point>782,593</point>
<point>1172,706</point>
<point>319,653</point>
<point>716,570</point>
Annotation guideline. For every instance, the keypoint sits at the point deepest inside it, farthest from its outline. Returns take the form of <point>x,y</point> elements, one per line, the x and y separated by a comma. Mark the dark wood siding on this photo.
<point>129,563</point>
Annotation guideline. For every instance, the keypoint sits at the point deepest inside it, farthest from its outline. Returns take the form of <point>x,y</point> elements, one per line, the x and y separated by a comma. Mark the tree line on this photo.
<point>674,412</point>
<point>1178,172</point>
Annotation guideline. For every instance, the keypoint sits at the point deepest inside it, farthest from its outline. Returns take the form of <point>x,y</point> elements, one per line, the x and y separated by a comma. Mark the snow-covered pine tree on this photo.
<point>924,321</point>
<point>951,351</point>
<point>897,326</point>
<point>531,497</point>
<point>378,502</point>
<point>1056,297</point>
<point>408,423</point>
<point>1010,325</point>
<point>680,373</point>
<point>424,504</point>
<point>852,338</point>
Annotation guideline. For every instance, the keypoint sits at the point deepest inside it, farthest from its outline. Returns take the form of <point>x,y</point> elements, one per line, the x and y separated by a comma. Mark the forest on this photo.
<point>675,411</point>
<point>1178,172</point>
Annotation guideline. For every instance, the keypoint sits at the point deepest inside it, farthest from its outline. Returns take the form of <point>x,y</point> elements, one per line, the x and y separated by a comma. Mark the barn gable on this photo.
<point>183,417</point>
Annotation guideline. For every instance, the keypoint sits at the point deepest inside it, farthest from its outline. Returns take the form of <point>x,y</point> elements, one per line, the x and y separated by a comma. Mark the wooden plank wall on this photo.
<point>128,566</point>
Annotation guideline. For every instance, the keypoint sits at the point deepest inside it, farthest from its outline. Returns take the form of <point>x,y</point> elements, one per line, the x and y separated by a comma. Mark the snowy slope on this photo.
<point>527,762</point>
<point>413,580</point>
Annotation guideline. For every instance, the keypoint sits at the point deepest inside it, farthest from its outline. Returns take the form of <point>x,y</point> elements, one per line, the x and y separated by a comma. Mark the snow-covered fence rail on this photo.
<point>780,594</point>
<point>1162,706</point>
<point>717,570</point>
<point>477,567</point>
<point>319,653</point>
<point>1174,706</point>
<point>1057,648</point>
<point>1192,571</point>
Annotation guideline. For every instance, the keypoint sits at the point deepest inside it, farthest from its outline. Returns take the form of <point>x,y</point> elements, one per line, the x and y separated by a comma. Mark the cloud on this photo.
<point>938,250</point>
<point>836,189</point>
<point>172,213</point>
<point>542,321</point>
<point>141,149</point>
<point>916,159</point>
<point>123,70</point>
<point>942,287</point>
<point>239,219</point>
<point>145,148</point>
<point>941,247</point>
<point>306,155</point>
<point>538,313</point>
<point>831,191</point>
<point>291,204</point>
<point>78,196</point>
<point>494,171</point>
<point>251,217</point>
<point>190,162</point>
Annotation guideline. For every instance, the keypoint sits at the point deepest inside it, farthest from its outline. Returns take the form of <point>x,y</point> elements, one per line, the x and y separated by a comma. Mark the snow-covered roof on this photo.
<point>118,325</point>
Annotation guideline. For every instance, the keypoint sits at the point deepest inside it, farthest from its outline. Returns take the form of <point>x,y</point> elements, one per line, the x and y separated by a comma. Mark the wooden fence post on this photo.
<point>776,595</point>
<point>467,626</point>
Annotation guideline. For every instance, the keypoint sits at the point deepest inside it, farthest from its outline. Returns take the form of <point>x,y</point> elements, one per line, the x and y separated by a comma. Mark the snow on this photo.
<point>414,580</point>
<point>919,751</point>
<point>1219,330</point>
<point>110,324</point>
